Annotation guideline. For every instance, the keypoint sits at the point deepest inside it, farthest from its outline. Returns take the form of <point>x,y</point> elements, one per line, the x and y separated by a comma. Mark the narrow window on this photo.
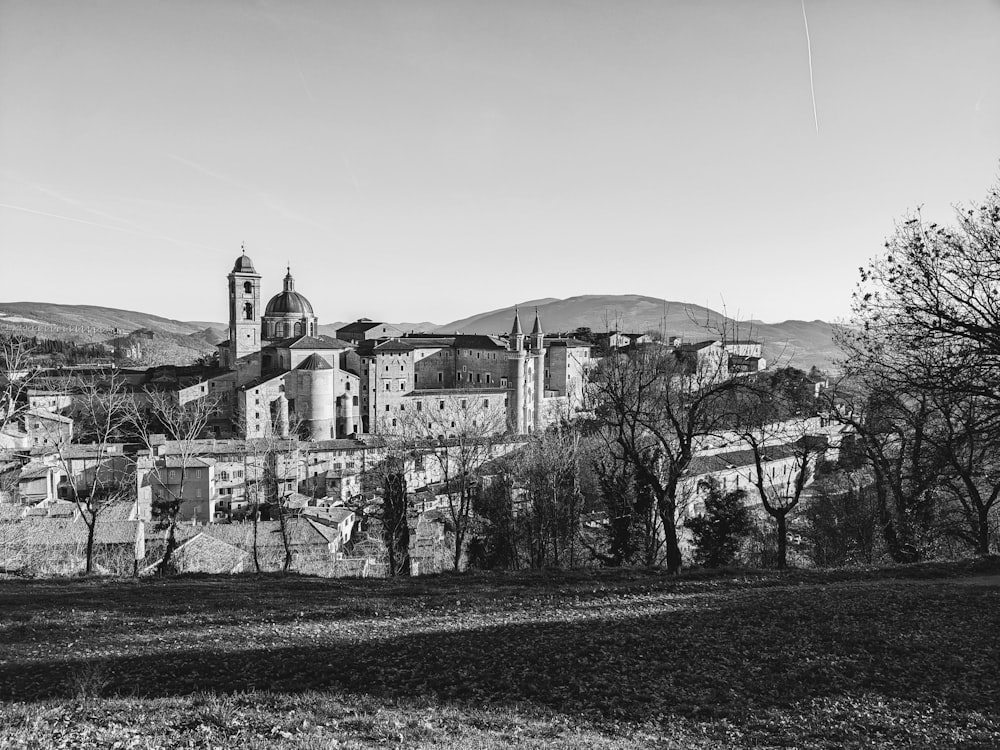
<point>247,287</point>
<point>441,405</point>
<point>464,404</point>
<point>248,311</point>
<point>486,403</point>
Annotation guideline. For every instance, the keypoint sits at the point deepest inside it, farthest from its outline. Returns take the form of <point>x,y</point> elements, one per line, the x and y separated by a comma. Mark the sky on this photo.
<point>425,160</point>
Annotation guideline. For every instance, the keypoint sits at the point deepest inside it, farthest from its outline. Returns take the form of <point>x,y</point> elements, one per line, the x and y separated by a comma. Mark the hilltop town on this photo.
<point>277,453</point>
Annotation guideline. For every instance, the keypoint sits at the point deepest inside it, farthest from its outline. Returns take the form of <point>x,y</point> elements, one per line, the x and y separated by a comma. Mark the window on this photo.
<point>464,404</point>
<point>441,405</point>
<point>197,473</point>
<point>420,405</point>
<point>488,378</point>
<point>402,385</point>
<point>477,377</point>
<point>414,380</point>
<point>486,403</point>
<point>387,368</point>
<point>402,369</point>
<point>440,377</point>
<point>459,377</point>
<point>453,423</point>
<point>394,423</point>
<point>197,492</point>
<point>387,384</point>
<point>355,400</point>
<point>503,382</point>
<point>248,311</point>
<point>477,355</point>
<point>387,407</point>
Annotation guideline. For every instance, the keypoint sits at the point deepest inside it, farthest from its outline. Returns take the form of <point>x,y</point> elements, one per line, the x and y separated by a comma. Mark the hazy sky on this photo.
<point>429,159</point>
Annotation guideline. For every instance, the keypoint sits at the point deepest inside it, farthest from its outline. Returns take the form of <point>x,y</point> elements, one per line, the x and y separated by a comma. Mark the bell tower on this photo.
<point>244,310</point>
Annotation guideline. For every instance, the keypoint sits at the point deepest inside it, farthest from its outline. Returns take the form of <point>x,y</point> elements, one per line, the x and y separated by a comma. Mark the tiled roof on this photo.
<point>314,362</point>
<point>359,326</point>
<point>394,345</point>
<point>197,462</point>
<point>737,459</point>
<point>42,414</point>
<point>478,341</point>
<point>312,342</point>
<point>569,342</point>
<point>35,471</point>
<point>696,347</point>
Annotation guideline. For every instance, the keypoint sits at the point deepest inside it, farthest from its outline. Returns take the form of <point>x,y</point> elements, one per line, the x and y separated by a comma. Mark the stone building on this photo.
<point>283,375</point>
<point>285,378</point>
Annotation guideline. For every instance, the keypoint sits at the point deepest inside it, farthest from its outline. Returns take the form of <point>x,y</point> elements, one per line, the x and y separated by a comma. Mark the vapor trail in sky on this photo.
<point>101,225</point>
<point>812,86</point>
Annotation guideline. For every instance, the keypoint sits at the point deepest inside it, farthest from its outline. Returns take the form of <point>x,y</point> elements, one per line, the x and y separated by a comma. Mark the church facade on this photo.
<point>284,378</point>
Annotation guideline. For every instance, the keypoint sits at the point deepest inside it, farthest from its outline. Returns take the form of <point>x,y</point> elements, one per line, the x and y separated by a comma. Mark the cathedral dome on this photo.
<point>288,301</point>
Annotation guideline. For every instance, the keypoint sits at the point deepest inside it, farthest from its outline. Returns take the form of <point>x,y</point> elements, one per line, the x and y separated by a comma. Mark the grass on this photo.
<point>618,659</point>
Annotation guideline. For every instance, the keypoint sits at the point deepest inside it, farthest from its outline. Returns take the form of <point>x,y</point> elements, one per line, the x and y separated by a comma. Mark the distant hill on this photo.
<point>797,342</point>
<point>162,340</point>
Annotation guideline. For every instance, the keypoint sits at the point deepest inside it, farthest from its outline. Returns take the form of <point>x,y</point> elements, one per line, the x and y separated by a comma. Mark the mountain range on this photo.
<point>797,342</point>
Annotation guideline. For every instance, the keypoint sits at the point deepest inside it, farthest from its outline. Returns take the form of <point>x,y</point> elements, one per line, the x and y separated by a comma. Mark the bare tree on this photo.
<point>399,452</point>
<point>654,403</point>
<point>468,432</point>
<point>969,442</point>
<point>97,476</point>
<point>184,424</point>
<point>548,470</point>
<point>781,471</point>
<point>17,375</point>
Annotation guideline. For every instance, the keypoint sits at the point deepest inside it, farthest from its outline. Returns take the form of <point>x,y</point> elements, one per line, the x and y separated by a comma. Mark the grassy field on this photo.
<point>899,658</point>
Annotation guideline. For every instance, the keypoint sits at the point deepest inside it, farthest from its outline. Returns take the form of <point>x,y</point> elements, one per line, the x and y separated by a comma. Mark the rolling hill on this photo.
<point>797,342</point>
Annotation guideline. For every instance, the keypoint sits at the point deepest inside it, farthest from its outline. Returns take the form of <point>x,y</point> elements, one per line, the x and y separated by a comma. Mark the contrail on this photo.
<point>812,86</point>
<point>102,225</point>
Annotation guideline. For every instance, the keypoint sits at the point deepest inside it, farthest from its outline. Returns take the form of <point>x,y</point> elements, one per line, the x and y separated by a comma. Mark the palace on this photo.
<point>282,377</point>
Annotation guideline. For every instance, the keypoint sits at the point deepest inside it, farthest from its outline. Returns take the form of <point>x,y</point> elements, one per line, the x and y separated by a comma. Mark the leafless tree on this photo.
<point>784,459</point>
<point>399,452</point>
<point>468,433</point>
<point>548,470</point>
<point>97,476</point>
<point>184,424</point>
<point>17,375</point>
<point>654,403</point>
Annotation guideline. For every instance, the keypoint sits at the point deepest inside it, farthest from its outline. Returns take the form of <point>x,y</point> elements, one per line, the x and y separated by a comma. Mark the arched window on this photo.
<point>247,287</point>
<point>248,311</point>
<point>298,328</point>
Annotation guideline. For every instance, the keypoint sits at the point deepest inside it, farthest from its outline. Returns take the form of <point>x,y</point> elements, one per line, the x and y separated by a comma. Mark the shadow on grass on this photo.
<point>765,650</point>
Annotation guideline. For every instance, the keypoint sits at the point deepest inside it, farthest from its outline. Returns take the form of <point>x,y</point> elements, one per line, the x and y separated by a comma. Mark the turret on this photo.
<point>538,363</point>
<point>516,376</point>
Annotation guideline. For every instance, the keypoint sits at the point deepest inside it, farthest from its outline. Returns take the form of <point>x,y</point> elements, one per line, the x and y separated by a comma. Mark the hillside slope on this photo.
<point>798,342</point>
